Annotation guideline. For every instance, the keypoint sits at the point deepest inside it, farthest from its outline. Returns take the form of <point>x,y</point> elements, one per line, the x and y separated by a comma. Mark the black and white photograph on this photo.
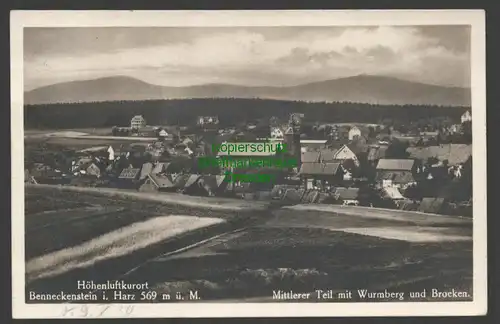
<point>232,163</point>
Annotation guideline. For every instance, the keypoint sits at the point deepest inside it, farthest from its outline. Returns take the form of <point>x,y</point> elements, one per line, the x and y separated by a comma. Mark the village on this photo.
<point>425,170</point>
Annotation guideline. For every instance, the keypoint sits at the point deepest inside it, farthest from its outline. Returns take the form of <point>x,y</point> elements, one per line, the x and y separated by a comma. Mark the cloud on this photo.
<point>253,56</point>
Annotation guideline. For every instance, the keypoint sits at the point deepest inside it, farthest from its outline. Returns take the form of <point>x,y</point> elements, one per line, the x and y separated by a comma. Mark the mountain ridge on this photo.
<point>361,89</point>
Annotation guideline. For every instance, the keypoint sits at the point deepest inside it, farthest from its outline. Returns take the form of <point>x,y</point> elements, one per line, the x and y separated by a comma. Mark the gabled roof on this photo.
<point>213,182</point>
<point>395,164</point>
<point>160,167</point>
<point>347,193</point>
<point>161,181</point>
<point>317,168</point>
<point>392,193</point>
<point>309,157</point>
<point>327,154</point>
<point>193,178</point>
<point>129,173</point>
<point>145,170</point>
<point>331,167</point>
<point>354,128</point>
<point>180,180</point>
<point>289,131</point>
<point>454,153</point>
<point>395,176</point>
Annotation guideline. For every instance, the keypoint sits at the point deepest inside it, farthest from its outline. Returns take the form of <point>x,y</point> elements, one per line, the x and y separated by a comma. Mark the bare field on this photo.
<point>253,263</point>
<point>104,237</point>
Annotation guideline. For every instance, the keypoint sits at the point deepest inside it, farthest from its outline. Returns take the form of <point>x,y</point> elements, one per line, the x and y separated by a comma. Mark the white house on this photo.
<point>111,153</point>
<point>354,132</point>
<point>277,133</point>
<point>345,153</point>
<point>137,122</point>
<point>205,120</point>
<point>466,117</point>
<point>163,133</point>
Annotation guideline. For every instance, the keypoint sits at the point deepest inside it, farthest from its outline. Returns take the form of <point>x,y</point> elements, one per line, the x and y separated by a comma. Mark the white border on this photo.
<point>475,18</point>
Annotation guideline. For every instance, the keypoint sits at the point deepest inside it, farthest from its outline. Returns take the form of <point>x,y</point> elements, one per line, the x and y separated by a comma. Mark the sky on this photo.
<point>254,56</point>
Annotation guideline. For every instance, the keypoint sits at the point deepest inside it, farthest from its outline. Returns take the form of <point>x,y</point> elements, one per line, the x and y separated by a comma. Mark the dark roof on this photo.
<point>213,182</point>
<point>180,180</point>
<point>309,157</point>
<point>129,173</point>
<point>316,168</point>
<point>376,152</point>
<point>395,164</point>
<point>395,176</point>
<point>347,193</point>
<point>161,181</point>
<point>454,153</point>
<point>186,180</point>
<point>357,147</point>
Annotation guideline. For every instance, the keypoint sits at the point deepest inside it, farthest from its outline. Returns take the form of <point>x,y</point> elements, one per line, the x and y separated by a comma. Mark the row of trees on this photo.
<point>229,111</point>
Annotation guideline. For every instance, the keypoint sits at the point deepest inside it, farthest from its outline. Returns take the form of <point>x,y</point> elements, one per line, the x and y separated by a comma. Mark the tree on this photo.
<point>397,150</point>
<point>371,132</point>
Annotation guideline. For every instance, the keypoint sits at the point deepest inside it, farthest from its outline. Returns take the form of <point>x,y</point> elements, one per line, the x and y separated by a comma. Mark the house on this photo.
<point>187,183</point>
<point>213,185</point>
<point>391,193</point>
<point>93,170</point>
<point>346,152</point>
<point>146,169</point>
<point>395,173</point>
<point>310,157</point>
<point>137,122</point>
<point>354,133</point>
<point>454,154</point>
<point>111,153</point>
<point>160,167</point>
<point>455,129</point>
<point>207,120</point>
<point>155,183</point>
<point>466,117</point>
<point>347,196</point>
<point>163,133</point>
<point>129,178</point>
<point>316,174</point>
<point>312,145</point>
<point>277,133</point>
<point>328,155</point>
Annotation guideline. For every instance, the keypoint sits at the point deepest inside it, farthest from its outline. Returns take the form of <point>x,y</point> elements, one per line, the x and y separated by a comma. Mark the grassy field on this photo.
<point>70,234</point>
<point>90,236</point>
<point>252,264</point>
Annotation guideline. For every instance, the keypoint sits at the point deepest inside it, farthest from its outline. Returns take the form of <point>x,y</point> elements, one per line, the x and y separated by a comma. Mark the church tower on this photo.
<point>292,138</point>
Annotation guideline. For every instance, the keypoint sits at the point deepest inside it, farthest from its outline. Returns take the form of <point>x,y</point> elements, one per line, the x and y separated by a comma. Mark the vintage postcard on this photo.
<point>248,163</point>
